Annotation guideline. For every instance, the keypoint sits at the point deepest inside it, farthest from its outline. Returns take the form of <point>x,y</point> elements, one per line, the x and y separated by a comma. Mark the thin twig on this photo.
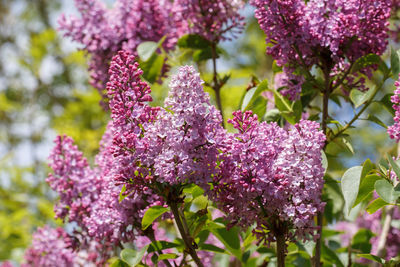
<point>343,77</point>
<point>358,114</point>
<point>304,65</point>
<point>216,85</point>
<point>316,260</point>
<point>350,262</point>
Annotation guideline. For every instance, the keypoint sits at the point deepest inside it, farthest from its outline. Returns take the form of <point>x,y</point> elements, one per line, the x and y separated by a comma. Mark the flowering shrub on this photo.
<point>172,186</point>
<point>329,34</point>
<point>276,174</point>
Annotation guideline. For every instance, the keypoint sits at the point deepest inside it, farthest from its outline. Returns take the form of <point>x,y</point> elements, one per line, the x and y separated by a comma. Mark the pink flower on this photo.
<point>303,33</point>
<point>212,19</point>
<point>394,130</point>
<point>268,174</point>
<point>104,31</point>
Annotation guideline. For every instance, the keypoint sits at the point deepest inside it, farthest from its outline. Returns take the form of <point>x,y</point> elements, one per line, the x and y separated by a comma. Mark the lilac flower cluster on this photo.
<point>212,19</point>
<point>326,32</point>
<point>112,220</point>
<point>89,197</point>
<point>104,31</point>
<point>185,143</point>
<point>50,246</point>
<point>173,145</point>
<point>333,24</point>
<point>183,140</point>
<point>76,194</point>
<point>132,116</point>
<point>394,130</point>
<point>263,173</point>
<point>54,247</point>
<point>6,264</point>
<point>270,175</point>
<point>105,221</point>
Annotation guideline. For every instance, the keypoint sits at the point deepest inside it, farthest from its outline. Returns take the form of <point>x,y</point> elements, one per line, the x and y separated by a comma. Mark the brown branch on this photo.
<point>280,249</point>
<point>185,236</point>
<point>316,259</point>
<point>216,84</point>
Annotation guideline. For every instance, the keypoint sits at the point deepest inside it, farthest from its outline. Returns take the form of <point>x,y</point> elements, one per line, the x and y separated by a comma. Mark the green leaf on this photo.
<point>394,165</point>
<point>335,98</point>
<point>372,258</point>
<point>121,194</point>
<point>245,256</point>
<point>212,248</point>
<point>119,263</point>
<point>308,246</point>
<point>358,98</point>
<point>367,167</point>
<point>132,257</point>
<point>330,256</point>
<point>167,256</point>
<point>161,245</point>
<point>348,145</point>
<point>146,49</point>
<point>387,104</point>
<point>350,184</point>
<point>386,191</point>
<point>252,94</point>
<point>151,214</point>
<point>230,238</point>
<point>282,103</point>
<point>286,108</point>
<point>248,97</point>
<point>152,67</point>
<point>324,161</point>
<point>333,195</point>
<point>193,41</point>
<point>194,190</point>
<point>276,68</point>
<point>365,61</point>
<point>298,110</point>
<point>202,54</point>
<point>383,168</point>
<point>271,115</point>
<point>383,67</point>
<point>361,240</point>
<point>366,187</point>
<point>395,63</point>
<point>253,100</point>
<point>259,106</point>
<point>376,120</point>
<point>329,232</point>
<point>376,205</point>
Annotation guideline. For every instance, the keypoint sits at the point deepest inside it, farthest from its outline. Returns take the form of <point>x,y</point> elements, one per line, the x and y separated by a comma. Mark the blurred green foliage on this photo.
<point>43,92</point>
